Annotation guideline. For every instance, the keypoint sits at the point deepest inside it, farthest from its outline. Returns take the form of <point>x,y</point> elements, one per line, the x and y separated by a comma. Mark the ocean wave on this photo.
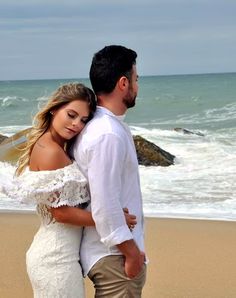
<point>204,118</point>
<point>223,113</point>
<point>200,185</point>
<point>11,130</point>
<point>11,100</point>
<point>42,98</point>
<point>227,112</point>
<point>154,133</point>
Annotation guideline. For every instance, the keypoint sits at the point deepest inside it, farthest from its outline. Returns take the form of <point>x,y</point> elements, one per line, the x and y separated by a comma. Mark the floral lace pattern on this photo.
<point>53,258</point>
<point>52,262</point>
<point>62,187</point>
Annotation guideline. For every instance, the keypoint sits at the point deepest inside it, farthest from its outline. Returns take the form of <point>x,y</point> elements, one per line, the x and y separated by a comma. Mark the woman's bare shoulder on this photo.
<point>48,157</point>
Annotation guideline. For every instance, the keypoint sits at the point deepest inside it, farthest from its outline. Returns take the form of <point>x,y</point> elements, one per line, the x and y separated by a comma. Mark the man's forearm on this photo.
<point>129,248</point>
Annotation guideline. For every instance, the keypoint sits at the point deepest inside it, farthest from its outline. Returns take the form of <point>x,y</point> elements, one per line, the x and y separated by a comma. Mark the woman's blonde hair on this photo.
<point>42,120</point>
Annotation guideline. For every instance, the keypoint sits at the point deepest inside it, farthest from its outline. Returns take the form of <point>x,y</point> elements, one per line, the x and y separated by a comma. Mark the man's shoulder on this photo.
<point>102,124</point>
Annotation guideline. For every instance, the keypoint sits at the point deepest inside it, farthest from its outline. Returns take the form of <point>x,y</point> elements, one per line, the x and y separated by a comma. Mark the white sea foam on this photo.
<point>227,112</point>
<point>42,98</point>
<point>7,171</point>
<point>11,100</point>
<point>202,181</point>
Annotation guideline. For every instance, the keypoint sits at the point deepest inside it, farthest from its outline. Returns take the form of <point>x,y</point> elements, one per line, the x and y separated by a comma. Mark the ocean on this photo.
<point>201,183</point>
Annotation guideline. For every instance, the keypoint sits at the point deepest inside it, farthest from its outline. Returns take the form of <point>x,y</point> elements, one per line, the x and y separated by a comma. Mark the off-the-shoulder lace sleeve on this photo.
<point>65,186</point>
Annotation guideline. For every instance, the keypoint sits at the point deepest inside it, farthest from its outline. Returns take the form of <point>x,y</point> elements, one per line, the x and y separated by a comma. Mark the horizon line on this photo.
<point>140,76</point>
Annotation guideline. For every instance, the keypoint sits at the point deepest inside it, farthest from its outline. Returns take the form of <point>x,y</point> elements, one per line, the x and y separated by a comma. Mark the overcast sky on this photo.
<point>41,39</point>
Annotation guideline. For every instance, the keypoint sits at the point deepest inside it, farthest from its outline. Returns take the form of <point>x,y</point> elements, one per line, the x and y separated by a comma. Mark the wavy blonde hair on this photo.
<point>42,120</point>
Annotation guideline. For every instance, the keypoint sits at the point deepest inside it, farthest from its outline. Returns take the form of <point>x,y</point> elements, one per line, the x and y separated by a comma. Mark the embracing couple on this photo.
<point>81,169</point>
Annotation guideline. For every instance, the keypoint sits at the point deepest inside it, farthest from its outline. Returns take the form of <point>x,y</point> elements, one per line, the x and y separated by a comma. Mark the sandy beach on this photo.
<point>188,258</point>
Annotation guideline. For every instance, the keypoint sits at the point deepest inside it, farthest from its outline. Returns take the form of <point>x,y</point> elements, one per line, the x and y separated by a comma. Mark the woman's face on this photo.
<point>70,119</point>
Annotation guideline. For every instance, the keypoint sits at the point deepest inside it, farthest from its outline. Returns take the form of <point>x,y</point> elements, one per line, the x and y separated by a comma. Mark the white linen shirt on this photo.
<point>105,153</point>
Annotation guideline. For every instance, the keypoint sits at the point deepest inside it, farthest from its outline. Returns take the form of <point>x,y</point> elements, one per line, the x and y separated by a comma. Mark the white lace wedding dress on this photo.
<point>53,257</point>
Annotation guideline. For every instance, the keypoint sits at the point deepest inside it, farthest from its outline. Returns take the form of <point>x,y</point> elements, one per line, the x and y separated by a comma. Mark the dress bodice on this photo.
<point>50,189</point>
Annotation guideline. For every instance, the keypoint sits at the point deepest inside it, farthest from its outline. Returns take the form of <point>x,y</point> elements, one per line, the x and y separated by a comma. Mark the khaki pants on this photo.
<point>110,281</point>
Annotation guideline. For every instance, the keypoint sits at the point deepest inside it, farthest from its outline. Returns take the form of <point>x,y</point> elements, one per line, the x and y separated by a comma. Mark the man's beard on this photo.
<point>129,99</point>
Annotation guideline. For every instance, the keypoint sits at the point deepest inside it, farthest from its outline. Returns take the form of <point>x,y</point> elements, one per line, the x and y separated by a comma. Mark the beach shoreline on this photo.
<point>188,258</point>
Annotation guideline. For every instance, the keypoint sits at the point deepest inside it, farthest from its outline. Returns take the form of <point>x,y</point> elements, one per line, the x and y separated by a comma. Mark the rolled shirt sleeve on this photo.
<point>106,159</point>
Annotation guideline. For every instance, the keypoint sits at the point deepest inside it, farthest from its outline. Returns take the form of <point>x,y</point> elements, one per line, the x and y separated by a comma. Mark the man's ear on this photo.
<point>123,83</point>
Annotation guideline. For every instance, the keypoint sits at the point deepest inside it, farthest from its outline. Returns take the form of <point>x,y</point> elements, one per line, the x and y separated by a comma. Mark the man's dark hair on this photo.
<point>110,64</point>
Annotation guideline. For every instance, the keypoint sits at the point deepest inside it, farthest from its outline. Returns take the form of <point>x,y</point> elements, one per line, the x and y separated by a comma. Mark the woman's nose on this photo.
<point>78,123</point>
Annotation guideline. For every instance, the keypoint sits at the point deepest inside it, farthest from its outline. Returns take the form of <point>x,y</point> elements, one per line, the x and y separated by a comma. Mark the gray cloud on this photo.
<point>56,39</point>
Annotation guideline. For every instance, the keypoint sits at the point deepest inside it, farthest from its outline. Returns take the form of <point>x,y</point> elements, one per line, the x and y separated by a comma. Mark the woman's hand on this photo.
<point>130,219</point>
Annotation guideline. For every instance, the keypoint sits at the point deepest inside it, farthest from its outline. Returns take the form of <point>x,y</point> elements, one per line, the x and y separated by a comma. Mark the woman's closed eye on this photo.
<point>85,120</point>
<point>71,115</point>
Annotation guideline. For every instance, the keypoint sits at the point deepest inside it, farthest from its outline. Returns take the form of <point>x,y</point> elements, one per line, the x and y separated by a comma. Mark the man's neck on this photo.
<point>113,105</point>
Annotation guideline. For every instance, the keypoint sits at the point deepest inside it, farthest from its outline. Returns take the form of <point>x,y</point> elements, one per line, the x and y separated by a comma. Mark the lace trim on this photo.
<point>46,189</point>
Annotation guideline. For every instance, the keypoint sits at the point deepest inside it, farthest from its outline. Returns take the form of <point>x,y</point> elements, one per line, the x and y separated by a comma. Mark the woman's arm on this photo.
<point>73,216</point>
<point>82,217</point>
<point>130,219</point>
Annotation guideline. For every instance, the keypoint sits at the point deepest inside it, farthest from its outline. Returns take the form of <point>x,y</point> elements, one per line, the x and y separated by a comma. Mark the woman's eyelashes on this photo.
<point>74,116</point>
<point>85,120</point>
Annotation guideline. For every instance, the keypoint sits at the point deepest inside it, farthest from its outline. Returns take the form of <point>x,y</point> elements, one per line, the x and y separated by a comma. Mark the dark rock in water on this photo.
<point>150,154</point>
<point>11,148</point>
<point>186,131</point>
<point>2,138</point>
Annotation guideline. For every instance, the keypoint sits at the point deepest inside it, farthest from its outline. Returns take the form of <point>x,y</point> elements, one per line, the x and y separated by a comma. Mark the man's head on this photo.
<point>111,65</point>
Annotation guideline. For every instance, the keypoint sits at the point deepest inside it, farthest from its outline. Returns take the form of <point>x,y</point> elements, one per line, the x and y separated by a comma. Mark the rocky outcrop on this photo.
<point>188,132</point>
<point>148,153</point>
<point>2,138</point>
<point>11,148</point>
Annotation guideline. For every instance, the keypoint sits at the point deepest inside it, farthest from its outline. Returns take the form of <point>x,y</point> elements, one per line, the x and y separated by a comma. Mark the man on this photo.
<point>112,255</point>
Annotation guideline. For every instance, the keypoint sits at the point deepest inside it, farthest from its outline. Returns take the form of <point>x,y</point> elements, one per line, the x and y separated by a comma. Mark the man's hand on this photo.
<point>134,258</point>
<point>134,264</point>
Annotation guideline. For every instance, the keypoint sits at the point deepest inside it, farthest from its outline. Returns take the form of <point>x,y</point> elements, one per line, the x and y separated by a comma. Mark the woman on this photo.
<point>48,177</point>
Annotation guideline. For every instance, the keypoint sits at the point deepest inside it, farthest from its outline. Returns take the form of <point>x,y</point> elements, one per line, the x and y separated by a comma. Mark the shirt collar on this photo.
<point>108,112</point>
